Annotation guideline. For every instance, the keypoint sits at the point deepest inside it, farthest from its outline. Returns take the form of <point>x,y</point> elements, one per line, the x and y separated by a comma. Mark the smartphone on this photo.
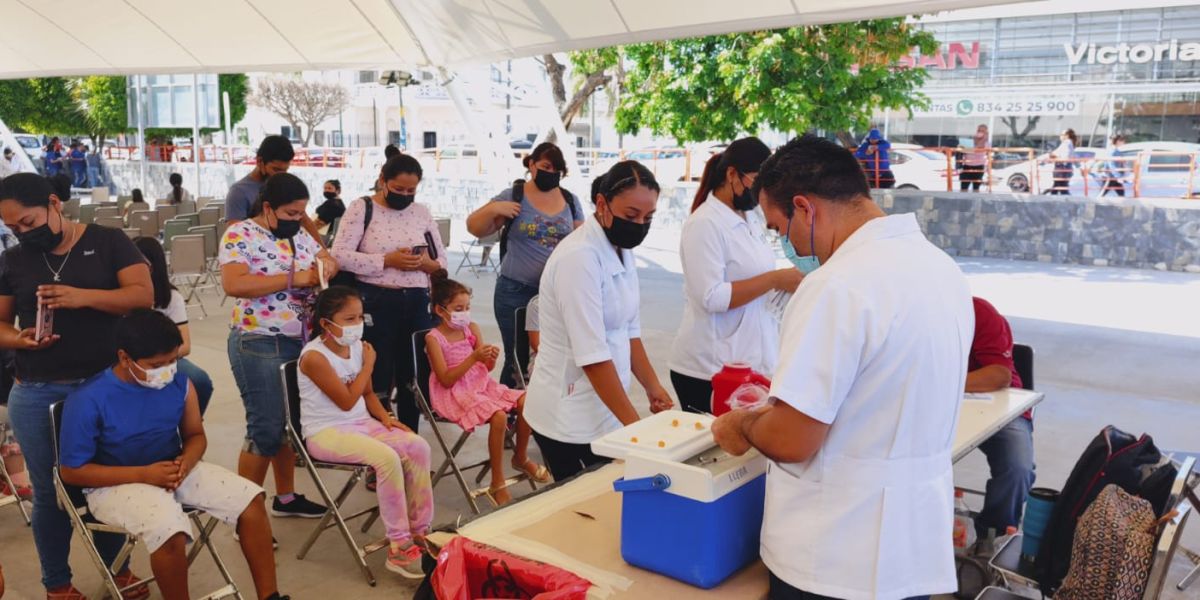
<point>45,322</point>
<point>420,249</point>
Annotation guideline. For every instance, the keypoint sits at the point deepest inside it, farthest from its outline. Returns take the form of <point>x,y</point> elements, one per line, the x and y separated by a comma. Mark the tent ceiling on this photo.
<point>85,37</point>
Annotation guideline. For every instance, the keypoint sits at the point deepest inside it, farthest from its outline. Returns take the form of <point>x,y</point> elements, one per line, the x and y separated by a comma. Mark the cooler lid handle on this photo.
<point>642,484</point>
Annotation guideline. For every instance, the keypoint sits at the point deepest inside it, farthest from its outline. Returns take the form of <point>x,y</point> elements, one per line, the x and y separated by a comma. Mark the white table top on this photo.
<point>979,419</point>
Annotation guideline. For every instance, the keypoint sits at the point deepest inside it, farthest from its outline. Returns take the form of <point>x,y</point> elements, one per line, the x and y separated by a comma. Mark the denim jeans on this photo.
<point>396,314</point>
<point>511,295</point>
<point>29,412</point>
<point>200,380</point>
<point>255,361</point>
<point>1010,457</point>
<point>93,177</point>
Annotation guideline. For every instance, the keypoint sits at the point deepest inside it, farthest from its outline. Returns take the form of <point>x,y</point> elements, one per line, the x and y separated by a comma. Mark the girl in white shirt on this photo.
<point>343,421</point>
<point>591,344</point>
<point>728,270</point>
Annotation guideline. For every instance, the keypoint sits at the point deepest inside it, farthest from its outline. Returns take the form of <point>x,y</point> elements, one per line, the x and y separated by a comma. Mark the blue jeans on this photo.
<point>79,178</point>
<point>255,361</point>
<point>396,314</point>
<point>93,177</point>
<point>200,380</point>
<point>29,411</point>
<point>1010,458</point>
<point>511,295</point>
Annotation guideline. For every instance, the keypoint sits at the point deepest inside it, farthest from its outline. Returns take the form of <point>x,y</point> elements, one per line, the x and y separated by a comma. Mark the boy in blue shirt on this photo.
<point>133,439</point>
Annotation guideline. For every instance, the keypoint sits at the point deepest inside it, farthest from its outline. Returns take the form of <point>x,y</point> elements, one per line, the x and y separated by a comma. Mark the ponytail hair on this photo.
<point>443,289</point>
<point>329,302</point>
<point>746,155</point>
<point>707,180</point>
<point>176,188</point>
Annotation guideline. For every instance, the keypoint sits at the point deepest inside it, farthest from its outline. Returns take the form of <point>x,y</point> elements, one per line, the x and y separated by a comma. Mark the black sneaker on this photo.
<point>298,507</point>
<point>276,596</point>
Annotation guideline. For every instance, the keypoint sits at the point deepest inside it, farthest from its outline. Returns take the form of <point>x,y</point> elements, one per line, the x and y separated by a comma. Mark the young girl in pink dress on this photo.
<point>462,390</point>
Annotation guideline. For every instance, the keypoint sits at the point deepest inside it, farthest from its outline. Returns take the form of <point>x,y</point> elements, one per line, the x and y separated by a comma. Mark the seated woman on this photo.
<point>343,421</point>
<point>136,473</point>
<point>461,389</point>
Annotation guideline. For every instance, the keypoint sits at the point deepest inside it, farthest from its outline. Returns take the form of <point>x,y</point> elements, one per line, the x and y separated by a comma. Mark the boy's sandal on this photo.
<point>536,472</point>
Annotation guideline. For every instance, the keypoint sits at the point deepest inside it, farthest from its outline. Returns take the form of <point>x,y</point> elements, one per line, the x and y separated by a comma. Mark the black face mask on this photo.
<point>744,201</point>
<point>285,229</point>
<point>547,180</point>
<point>626,234</point>
<point>41,238</point>
<point>330,195</point>
<point>399,201</point>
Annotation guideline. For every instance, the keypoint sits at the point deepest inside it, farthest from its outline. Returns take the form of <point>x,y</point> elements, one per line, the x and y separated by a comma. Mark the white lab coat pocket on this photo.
<point>742,338</point>
<point>915,554</point>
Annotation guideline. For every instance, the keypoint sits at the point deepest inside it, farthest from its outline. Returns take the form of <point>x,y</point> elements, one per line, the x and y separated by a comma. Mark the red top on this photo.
<point>993,342</point>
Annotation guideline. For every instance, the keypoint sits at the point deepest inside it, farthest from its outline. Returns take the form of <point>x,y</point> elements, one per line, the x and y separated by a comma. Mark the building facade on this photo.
<point>1030,71</point>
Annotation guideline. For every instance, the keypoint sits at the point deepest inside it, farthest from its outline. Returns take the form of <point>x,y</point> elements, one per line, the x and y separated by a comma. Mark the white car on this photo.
<point>1017,177</point>
<point>32,145</point>
<point>1165,169</point>
<point>917,168</point>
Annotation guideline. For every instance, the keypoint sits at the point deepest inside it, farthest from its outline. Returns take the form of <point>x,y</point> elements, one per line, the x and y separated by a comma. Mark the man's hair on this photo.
<point>144,333</point>
<point>275,148</point>
<point>811,166</point>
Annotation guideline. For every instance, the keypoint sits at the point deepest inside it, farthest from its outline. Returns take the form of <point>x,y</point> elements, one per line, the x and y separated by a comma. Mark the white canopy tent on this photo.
<point>129,37</point>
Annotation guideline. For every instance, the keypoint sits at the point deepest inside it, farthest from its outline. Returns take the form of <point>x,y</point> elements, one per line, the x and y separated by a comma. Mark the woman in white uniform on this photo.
<point>590,329</point>
<point>859,501</point>
<point>728,272</point>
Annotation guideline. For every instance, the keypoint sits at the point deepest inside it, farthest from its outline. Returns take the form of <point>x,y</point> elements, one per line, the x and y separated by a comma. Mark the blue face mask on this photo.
<point>806,264</point>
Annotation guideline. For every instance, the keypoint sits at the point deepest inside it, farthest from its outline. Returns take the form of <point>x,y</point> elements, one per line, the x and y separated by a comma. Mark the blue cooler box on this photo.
<point>690,511</point>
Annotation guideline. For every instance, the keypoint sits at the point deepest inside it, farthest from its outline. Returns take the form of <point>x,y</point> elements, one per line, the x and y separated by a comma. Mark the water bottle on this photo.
<point>964,525</point>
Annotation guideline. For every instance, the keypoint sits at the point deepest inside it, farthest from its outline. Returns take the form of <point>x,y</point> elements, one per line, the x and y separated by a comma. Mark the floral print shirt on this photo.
<point>279,313</point>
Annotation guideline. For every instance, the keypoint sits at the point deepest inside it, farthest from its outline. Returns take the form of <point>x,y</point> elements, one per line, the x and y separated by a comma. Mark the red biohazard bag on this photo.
<point>468,570</point>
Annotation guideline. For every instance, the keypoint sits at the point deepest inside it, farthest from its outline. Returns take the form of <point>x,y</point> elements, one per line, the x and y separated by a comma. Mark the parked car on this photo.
<point>1165,169</point>
<point>1016,177</point>
<point>32,145</point>
<point>917,168</point>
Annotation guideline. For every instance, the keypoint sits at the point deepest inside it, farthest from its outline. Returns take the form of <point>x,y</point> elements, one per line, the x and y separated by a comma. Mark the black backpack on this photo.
<point>518,194</point>
<point>1113,457</point>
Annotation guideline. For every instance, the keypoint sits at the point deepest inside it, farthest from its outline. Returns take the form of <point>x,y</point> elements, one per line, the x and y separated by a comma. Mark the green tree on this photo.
<point>102,100</point>
<point>45,106</point>
<point>831,77</point>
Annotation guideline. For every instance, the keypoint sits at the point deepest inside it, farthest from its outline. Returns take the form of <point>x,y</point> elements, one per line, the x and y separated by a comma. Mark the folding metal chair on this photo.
<point>112,222</point>
<point>203,201</point>
<point>87,214</point>
<point>145,221</point>
<point>107,211</point>
<point>73,502</point>
<point>487,262</point>
<point>521,344</point>
<point>187,206</point>
<point>192,218</point>
<point>14,499</point>
<point>172,229</point>
<point>167,211</point>
<point>420,389</point>
<point>189,266</point>
<point>99,195</point>
<point>333,516</point>
<point>209,215</point>
<point>70,208</point>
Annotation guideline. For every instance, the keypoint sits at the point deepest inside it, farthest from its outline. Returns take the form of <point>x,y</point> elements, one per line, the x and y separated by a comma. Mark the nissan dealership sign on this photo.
<point>1092,54</point>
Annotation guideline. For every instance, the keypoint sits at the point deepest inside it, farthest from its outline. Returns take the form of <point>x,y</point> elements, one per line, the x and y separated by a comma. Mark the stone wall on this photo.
<point>1148,234</point>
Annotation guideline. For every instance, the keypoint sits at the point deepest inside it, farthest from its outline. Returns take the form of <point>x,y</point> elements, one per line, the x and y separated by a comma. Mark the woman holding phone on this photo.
<point>385,240</point>
<point>79,279</point>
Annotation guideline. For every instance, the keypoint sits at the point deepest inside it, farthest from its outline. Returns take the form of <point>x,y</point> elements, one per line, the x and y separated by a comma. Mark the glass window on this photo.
<point>367,77</point>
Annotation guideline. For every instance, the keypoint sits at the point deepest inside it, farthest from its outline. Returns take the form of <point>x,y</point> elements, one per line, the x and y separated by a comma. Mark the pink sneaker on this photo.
<point>406,561</point>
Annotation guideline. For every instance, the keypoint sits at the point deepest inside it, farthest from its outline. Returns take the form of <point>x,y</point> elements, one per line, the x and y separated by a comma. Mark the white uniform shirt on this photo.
<point>719,247</point>
<point>588,300</point>
<point>875,344</point>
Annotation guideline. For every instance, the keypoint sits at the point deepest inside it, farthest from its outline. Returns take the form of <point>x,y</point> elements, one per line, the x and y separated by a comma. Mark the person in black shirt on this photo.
<point>332,208</point>
<point>89,276</point>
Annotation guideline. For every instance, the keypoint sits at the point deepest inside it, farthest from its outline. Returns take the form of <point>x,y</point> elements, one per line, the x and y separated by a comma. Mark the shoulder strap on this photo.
<point>518,194</point>
<point>370,212</point>
<point>570,198</point>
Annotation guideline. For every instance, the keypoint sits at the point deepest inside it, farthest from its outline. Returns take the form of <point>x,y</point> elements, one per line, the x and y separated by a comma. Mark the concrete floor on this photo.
<point>1113,346</point>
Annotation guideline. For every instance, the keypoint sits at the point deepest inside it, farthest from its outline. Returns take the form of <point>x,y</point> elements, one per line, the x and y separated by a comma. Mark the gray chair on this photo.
<point>172,229</point>
<point>192,218</point>
<point>114,222</point>
<point>187,206</point>
<point>70,209</point>
<point>72,500</point>
<point>6,478</point>
<point>145,221</point>
<point>209,215</point>
<point>87,214</point>
<point>487,260</point>
<point>443,226</point>
<point>107,211</point>
<point>123,201</point>
<point>167,211</point>
<point>333,516</point>
<point>132,234</point>
<point>189,267</point>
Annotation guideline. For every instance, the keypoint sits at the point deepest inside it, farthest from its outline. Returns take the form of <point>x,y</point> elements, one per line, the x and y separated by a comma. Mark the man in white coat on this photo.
<point>865,398</point>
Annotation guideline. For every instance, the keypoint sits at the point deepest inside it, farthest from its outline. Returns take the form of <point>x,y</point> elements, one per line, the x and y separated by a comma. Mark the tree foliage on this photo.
<point>831,77</point>
<point>591,70</point>
<point>303,104</point>
<point>102,101</point>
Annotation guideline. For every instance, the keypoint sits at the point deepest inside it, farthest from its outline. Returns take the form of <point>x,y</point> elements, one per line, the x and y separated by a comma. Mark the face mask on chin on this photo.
<point>805,264</point>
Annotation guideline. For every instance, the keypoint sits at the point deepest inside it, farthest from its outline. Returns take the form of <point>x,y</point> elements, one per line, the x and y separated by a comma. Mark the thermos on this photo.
<point>728,380</point>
